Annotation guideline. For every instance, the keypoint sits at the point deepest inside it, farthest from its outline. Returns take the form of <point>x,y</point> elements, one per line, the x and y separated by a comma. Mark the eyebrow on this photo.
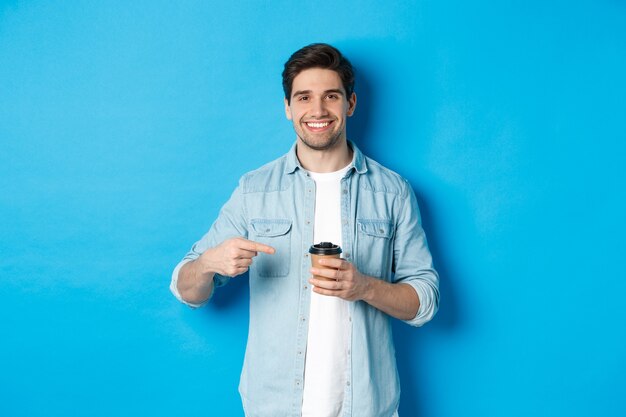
<point>304,92</point>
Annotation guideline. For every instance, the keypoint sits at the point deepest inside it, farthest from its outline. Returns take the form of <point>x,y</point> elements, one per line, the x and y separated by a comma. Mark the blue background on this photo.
<point>124,126</point>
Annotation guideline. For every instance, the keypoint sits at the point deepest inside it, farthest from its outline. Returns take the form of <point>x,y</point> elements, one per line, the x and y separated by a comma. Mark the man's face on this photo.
<point>319,108</point>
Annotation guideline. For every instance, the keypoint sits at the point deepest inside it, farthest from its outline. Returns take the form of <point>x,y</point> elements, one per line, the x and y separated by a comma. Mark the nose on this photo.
<point>318,108</point>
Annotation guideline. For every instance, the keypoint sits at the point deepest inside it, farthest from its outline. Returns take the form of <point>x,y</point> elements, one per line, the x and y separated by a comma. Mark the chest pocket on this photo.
<point>277,234</point>
<point>374,241</point>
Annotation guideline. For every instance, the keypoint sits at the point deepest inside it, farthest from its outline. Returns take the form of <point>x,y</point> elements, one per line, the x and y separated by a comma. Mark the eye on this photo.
<point>303,98</point>
<point>332,96</point>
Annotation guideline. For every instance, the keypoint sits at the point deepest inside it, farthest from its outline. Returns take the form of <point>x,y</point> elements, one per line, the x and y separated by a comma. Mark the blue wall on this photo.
<point>124,126</point>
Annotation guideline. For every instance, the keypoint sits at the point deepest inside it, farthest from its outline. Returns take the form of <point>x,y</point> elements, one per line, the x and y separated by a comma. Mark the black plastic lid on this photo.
<point>325,248</point>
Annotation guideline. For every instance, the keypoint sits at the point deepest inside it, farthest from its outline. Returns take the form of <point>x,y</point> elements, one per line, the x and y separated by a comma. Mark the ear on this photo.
<point>351,104</point>
<point>287,110</point>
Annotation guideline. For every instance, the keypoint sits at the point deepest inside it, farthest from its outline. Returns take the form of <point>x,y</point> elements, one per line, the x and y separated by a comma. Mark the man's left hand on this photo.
<point>345,280</point>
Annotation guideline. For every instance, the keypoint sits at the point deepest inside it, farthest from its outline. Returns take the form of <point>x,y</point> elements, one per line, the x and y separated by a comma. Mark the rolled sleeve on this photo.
<point>413,263</point>
<point>428,295</point>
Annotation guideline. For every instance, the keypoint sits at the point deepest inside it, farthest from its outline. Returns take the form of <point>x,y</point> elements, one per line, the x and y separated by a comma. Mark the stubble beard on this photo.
<point>330,142</point>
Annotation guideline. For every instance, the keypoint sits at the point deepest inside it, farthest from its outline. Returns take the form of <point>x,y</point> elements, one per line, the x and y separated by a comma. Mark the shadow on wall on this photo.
<point>232,297</point>
<point>410,355</point>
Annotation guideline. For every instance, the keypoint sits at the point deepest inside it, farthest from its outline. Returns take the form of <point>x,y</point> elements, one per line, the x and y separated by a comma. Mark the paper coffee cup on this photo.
<point>323,250</point>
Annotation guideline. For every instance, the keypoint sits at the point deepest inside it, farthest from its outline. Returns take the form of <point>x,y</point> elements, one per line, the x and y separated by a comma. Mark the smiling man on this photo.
<point>318,347</point>
<point>318,107</point>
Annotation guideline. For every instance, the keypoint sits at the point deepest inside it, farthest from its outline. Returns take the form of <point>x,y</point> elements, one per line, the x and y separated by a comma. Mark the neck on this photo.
<point>328,160</point>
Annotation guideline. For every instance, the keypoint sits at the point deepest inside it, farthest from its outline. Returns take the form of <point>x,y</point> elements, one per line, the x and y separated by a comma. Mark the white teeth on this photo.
<point>318,125</point>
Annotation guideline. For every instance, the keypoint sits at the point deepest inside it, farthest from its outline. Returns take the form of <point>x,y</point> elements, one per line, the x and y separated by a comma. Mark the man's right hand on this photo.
<point>232,257</point>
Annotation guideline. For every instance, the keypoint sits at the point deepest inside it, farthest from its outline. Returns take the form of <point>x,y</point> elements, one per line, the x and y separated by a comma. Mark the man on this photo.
<point>318,347</point>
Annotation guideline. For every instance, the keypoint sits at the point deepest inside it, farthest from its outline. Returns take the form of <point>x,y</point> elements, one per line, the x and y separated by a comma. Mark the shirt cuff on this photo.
<point>429,303</point>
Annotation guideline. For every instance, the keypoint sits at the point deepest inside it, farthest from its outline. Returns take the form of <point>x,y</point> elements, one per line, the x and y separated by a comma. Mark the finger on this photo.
<point>234,271</point>
<point>329,293</point>
<point>243,262</point>
<point>334,263</point>
<point>326,273</point>
<point>326,285</point>
<point>240,271</point>
<point>245,254</point>
<point>251,245</point>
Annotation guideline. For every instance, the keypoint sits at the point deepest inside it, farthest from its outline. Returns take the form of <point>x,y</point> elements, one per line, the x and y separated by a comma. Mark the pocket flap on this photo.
<point>378,228</point>
<point>270,228</point>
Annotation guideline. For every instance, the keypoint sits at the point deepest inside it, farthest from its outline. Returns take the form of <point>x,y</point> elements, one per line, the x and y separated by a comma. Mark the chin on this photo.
<point>321,145</point>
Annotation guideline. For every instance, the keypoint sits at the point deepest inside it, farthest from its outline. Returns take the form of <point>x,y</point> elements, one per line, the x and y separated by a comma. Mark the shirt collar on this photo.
<point>358,160</point>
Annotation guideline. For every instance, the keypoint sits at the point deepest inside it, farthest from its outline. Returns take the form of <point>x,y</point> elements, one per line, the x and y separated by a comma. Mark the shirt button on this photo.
<point>306,255</point>
<point>347,255</point>
<point>345,191</point>
<point>306,288</point>
<point>303,319</point>
<point>381,230</point>
<point>267,230</point>
<point>348,383</point>
<point>308,222</point>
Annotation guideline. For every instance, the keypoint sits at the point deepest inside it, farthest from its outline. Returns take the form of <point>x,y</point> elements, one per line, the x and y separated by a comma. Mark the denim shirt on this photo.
<point>382,235</point>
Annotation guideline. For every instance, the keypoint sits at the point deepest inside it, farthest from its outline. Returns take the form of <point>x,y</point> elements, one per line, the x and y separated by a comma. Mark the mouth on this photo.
<point>318,126</point>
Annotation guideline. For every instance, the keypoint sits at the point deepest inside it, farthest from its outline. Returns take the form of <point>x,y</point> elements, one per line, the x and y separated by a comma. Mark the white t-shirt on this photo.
<point>329,331</point>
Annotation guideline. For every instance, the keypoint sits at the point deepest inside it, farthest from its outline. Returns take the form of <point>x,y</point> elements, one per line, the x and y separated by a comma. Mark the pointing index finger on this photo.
<point>258,247</point>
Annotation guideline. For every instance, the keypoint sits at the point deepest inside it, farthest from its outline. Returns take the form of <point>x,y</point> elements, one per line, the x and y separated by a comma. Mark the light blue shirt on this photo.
<point>382,235</point>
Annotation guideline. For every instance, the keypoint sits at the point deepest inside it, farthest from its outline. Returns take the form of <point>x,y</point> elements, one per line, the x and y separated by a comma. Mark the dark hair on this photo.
<point>318,55</point>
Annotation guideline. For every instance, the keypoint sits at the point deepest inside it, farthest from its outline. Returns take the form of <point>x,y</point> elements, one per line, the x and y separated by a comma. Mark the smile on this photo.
<point>317,126</point>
